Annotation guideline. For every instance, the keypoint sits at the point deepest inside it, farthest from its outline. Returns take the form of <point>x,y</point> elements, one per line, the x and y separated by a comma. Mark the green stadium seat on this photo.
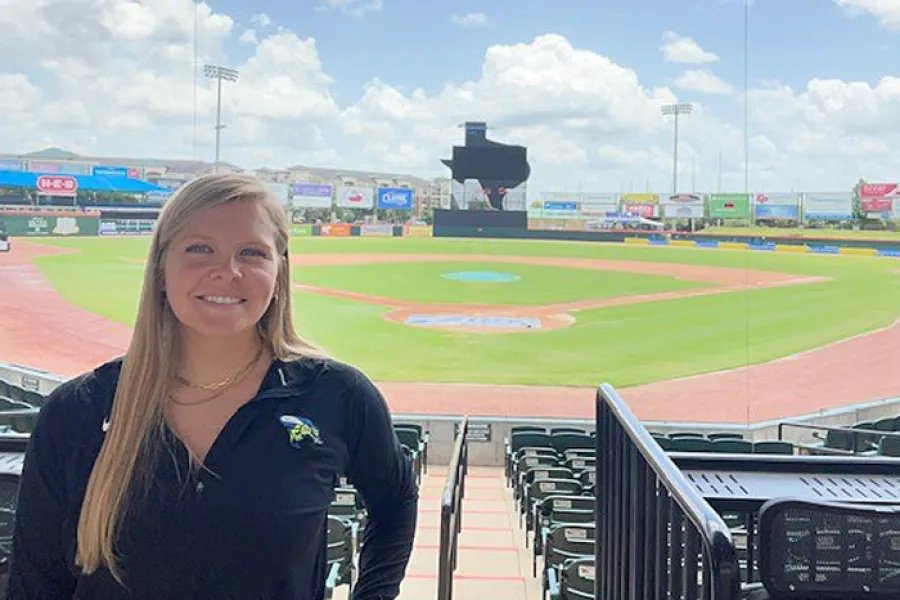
<point>731,446</point>
<point>773,447</point>
<point>691,444</point>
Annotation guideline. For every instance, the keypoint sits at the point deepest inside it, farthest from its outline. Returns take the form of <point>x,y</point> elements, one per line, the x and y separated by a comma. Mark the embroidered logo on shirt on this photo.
<point>300,429</point>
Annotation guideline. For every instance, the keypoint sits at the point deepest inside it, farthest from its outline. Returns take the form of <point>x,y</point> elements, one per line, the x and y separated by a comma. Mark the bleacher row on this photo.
<point>552,474</point>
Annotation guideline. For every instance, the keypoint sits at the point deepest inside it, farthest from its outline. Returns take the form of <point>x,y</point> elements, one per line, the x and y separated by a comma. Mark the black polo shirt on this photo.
<point>254,526</point>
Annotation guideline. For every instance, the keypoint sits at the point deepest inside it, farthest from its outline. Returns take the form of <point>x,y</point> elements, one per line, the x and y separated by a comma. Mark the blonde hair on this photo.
<point>137,431</point>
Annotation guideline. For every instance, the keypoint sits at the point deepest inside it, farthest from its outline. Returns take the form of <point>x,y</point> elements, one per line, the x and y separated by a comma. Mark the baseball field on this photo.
<point>450,311</point>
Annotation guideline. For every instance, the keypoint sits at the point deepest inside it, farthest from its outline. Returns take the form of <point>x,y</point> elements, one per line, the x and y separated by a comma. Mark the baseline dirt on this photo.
<point>40,329</point>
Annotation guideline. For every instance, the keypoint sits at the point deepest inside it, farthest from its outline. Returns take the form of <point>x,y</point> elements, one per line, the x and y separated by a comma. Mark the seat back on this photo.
<point>566,441</point>
<point>724,435</point>
<point>576,430</point>
<point>839,440</point>
<point>829,551</point>
<point>691,444</point>
<point>577,579</point>
<point>569,540</point>
<point>579,464</point>
<point>525,439</point>
<point>732,446</point>
<point>540,489</point>
<point>408,437</point>
<point>773,447</point>
<point>527,429</point>
<point>889,446</point>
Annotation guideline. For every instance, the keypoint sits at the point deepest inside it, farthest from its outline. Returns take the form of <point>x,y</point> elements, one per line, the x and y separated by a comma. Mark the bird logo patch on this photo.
<point>300,429</point>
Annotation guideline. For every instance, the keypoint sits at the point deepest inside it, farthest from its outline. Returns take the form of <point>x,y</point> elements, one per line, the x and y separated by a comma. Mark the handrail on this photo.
<point>640,529</point>
<point>451,512</point>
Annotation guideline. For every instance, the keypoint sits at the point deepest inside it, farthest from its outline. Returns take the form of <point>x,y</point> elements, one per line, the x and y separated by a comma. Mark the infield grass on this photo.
<point>624,345</point>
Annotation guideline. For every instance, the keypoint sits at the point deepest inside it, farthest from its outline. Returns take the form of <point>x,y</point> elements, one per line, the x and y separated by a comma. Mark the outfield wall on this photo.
<point>514,225</point>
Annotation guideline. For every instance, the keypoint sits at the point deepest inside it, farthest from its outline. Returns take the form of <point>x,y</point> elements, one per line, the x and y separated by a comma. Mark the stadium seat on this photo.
<point>573,581</point>
<point>732,446</point>
<point>576,430</point>
<point>691,444</point>
<point>563,542</point>
<point>540,489</point>
<point>889,446</point>
<point>686,434</point>
<point>773,447</point>
<point>554,510</point>
<point>341,555</point>
<point>565,441</point>
<point>527,429</point>
<point>9,489</point>
<point>725,436</point>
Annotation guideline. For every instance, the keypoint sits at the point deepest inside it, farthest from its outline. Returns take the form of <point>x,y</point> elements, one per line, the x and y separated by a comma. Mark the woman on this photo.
<point>202,463</point>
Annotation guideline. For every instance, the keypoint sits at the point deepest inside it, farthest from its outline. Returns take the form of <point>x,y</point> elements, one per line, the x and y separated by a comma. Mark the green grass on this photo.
<point>624,345</point>
<point>538,285</point>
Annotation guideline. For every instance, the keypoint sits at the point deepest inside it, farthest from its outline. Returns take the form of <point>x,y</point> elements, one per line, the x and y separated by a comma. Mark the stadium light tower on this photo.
<point>219,73</point>
<point>684,108</point>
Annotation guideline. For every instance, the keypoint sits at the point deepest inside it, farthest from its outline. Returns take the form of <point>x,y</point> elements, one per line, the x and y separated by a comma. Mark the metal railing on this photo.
<point>451,512</point>
<point>656,535</point>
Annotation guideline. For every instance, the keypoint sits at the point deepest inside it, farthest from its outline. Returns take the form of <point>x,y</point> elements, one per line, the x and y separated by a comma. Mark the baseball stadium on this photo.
<point>503,343</point>
<point>495,358</point>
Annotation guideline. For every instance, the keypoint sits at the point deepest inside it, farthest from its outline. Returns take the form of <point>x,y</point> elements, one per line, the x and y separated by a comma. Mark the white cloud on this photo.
<point>703,82</point>
<point>680,49</point>
<point>248,37</point>
<point>472,19</point>
<point>588,122</point>
<point>261,20</point>
<point>355,8</point>
<point>886,11</point>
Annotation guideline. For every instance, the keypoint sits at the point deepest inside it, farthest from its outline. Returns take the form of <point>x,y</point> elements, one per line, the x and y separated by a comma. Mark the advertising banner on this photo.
<point>57,185</point>
<point>11,165</point>
<point>631,198</point>
<point>777,206</point>
<point>104,171</point>
<point>301,230</point>
<point>825,206</point>
<point>878,197</point>
<point>683,206</point>
<point>356,197</point>
<point>395,198</point>
<point>335,230</point>
<point>559,209</point>
<point>777,212</point>
<point>598,205</point>
<point>120,227</point>
<point>60,168</point>
<point>729,206</point>
<point>311,195</point>
<point>639,210</point>
<point>377,230</point>
<point>418,231</point>
<point>23,225</point>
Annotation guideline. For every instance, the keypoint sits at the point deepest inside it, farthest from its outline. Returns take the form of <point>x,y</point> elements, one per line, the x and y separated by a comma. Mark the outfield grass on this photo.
<point>538,284</point>
<point>624,345</point>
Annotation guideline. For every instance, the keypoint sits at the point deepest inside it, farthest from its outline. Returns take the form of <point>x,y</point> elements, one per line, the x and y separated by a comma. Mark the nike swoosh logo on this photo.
<point>105,426</point>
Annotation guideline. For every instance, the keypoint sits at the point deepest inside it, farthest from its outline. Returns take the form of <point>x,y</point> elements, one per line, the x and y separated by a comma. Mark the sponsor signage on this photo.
<point>824,206</point>
<point>11,165</point>
<point>395,198</point>
<point>631,198</point>
<point>683,206</point>
<point>335,230</point>
<point>57,185</point>
<point>777,206</point>
<point>380,230</point>
<point>639,210</point>
<point>104,171</point>
<point>729,206</point>
<point>878,197</point>
<point>311,195</point>
<point>356,197</point>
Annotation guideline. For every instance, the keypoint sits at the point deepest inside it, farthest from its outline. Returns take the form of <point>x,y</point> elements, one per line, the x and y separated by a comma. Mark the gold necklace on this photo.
<point>230,380</point>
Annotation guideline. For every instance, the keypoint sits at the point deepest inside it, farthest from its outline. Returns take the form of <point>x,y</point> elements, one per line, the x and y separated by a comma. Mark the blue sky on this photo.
<point>411,43</point>
<point>580,82</point>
